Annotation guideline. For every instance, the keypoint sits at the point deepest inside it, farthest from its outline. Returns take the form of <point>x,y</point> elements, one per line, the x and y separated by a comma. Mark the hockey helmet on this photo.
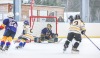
<point>70,17</point>
<point>26,22</point>
<point>77,17</point>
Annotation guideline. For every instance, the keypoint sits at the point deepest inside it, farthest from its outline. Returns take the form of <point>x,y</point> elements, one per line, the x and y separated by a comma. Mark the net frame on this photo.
<point>32,17</point>
<point>32,21</point>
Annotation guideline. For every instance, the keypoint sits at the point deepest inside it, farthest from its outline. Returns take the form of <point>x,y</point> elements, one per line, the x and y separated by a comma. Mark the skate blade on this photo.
<point>64,51</point>
<point>75,52</point>
<point>4,50</point>
<point>18,47</point>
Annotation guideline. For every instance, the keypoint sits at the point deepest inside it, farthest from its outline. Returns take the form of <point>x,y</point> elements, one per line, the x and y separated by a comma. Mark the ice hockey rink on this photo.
<point>53,50</point>
<point>89,9</point>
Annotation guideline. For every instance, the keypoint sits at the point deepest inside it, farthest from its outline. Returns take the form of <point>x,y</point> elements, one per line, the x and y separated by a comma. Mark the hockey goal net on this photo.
<point>37,23</point>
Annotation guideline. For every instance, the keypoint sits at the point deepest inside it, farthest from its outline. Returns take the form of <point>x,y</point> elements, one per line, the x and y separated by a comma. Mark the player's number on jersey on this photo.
<point>75,22</point>
<point>11,23</point>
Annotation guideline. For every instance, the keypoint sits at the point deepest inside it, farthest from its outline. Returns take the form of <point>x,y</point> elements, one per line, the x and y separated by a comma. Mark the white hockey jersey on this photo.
<point>26,28</point>
<point>77,26</point>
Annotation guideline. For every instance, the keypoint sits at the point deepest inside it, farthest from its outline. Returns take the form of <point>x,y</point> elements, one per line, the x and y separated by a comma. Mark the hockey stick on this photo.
<point>92,42</point>
<point>59,41</point>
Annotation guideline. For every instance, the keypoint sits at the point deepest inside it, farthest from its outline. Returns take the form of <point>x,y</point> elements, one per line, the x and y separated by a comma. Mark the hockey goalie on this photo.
<point>47,35</point>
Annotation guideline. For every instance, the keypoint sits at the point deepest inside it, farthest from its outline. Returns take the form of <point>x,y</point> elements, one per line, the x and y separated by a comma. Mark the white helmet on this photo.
<point>10,14</point>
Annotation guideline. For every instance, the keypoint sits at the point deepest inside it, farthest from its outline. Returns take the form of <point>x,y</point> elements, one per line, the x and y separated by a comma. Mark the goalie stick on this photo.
<point>59,41</point>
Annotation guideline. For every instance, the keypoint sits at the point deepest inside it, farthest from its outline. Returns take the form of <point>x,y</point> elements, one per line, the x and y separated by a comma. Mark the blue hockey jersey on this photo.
<point>46,31</point>
<point>11,24</point>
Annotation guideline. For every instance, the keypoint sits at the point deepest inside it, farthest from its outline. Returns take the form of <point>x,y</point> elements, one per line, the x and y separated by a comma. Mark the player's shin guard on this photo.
<point>66,45</point>
<point>4,38</point>
<point>20,45</point>
<point>76,45</point>
<point>74,48</point>
<point>24,44</point>
<point>9,38</point>
<point>2,44</point>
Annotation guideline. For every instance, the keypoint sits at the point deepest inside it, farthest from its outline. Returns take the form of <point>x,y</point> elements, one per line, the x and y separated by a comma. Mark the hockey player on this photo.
<point>10,26</point>
<point>46,33</point>
<point>26,35</point>
<point>76,29</point>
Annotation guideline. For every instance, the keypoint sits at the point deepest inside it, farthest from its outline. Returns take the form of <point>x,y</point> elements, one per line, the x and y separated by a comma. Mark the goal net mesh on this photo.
<point>37,23</point>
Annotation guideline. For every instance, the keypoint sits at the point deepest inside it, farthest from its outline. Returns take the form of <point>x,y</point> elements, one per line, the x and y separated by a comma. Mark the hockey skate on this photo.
<point>75,51</point>
<point>5,48</point>
<point>65,47</point>
<point>17,47</point>
<point>1,47</point>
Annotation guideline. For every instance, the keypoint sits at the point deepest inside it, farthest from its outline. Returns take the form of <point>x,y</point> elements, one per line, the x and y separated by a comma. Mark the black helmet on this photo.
<point>77,17</point>
<point>26,22</point>
<point>70,17</point>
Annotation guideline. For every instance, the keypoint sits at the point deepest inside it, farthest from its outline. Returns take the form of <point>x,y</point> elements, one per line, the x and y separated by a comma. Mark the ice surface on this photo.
<point>53,50</point>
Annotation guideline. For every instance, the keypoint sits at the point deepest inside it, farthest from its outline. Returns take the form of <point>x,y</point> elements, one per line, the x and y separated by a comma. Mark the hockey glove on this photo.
<point>2,26</point>
<point>83,31</point>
